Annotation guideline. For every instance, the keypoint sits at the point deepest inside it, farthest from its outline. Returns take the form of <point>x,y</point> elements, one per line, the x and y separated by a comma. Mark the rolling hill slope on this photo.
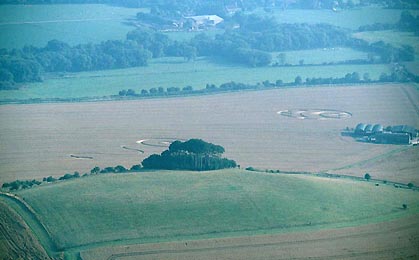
<point>166,206</point>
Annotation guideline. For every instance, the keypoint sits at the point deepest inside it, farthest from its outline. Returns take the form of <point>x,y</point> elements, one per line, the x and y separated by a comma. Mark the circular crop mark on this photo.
<point>158,142</point>
<point>316,114</point>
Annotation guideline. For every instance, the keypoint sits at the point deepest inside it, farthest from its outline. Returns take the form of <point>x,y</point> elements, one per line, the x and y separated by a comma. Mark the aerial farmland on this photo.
<point>137,130</point>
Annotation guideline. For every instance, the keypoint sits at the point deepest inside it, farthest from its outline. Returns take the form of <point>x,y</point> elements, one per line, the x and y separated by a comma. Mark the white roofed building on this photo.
<point>203,21</point>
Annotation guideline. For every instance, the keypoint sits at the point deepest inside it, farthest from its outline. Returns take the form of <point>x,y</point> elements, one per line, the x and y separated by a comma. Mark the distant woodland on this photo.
<point>214,5</point>
<point>247,40</point>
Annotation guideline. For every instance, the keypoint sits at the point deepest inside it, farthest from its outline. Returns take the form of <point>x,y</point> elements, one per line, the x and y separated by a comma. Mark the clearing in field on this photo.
<point>158,206</point>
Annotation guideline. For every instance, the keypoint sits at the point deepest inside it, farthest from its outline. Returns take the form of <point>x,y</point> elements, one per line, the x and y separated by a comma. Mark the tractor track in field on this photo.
<point>411,100</point>
<point>297,243</point>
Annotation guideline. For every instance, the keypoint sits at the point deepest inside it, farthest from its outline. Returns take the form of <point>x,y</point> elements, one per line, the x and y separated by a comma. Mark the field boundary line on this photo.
<point>342,176</point>
<point>374,158</point>
<point>199,93</point>
<point>259,245</point>
<point>43,236</point>
<point>410,99</point>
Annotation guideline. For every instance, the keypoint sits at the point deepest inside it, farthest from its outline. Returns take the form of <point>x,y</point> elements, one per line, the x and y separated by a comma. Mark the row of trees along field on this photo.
<point>194,155</point>
<point>407,23</point>
<point>398,74</point>
<point>249,45</point>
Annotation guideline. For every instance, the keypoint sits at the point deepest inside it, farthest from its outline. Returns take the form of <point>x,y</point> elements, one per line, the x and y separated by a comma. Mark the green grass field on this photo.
<point>395,38</point>
<point>161,206</point>
<point>350,19</point>
<point>168,72</point>
<point>35,25</point>
<point>320,56</point>
<point>156,206</point>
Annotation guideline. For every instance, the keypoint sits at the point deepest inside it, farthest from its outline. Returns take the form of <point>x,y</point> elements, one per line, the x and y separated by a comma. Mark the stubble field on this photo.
<point>388,240</point>
<point>39,140</point>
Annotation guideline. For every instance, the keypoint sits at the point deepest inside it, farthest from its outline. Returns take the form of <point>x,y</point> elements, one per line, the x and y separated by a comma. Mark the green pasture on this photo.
<point>412,67</point>
<point>321,56</point>
<point>395,38</point>
<point>161,206</point>
<point>175,72</point>
<point>35,25</point>
<point>351,19</point>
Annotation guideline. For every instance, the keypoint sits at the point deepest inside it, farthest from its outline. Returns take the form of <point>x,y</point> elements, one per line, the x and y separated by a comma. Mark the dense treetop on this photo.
<point>194,154</point>
<point>197,146</point>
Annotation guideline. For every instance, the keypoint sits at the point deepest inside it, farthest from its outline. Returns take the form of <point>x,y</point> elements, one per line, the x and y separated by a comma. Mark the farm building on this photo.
<point>377,129</point>
<point>360,129</point>
<point>367,129</point>
<point>399,134</point>
<point>405,129</point>
<point>203,21</point>
<point>391,138</point>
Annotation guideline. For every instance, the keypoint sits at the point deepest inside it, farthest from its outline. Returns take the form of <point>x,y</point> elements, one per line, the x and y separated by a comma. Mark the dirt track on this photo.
<point>390,240</point>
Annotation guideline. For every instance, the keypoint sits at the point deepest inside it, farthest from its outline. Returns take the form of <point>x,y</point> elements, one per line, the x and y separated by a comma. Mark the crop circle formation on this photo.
<point>158,142</point>
<point>316,114</point>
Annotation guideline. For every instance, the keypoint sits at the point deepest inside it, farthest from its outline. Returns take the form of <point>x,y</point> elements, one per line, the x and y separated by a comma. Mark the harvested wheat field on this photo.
<point>291,129</point>
<point>390,240</point>
<point>16,238</point>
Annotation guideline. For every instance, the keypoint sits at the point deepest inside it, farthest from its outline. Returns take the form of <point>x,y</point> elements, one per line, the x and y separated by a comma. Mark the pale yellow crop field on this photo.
<point>38,140</point>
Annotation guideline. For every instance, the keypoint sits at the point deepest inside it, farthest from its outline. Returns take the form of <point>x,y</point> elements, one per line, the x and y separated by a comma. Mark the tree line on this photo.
<point>398,74</point>
<point>194,155</point>
<point>249,45</point>
<point>407,23</point>
<point>28,64</point>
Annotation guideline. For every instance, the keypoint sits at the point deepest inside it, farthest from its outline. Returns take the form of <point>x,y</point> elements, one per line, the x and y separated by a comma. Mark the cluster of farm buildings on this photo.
<point>399,134</point>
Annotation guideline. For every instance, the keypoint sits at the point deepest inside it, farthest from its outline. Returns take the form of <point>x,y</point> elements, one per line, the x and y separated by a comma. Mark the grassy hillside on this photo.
<point>155,206</point>
<point>169,72</point>
<point>22,25</point>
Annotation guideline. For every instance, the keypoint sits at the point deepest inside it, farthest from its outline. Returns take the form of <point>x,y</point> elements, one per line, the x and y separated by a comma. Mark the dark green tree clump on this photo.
<point>194,155</point>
